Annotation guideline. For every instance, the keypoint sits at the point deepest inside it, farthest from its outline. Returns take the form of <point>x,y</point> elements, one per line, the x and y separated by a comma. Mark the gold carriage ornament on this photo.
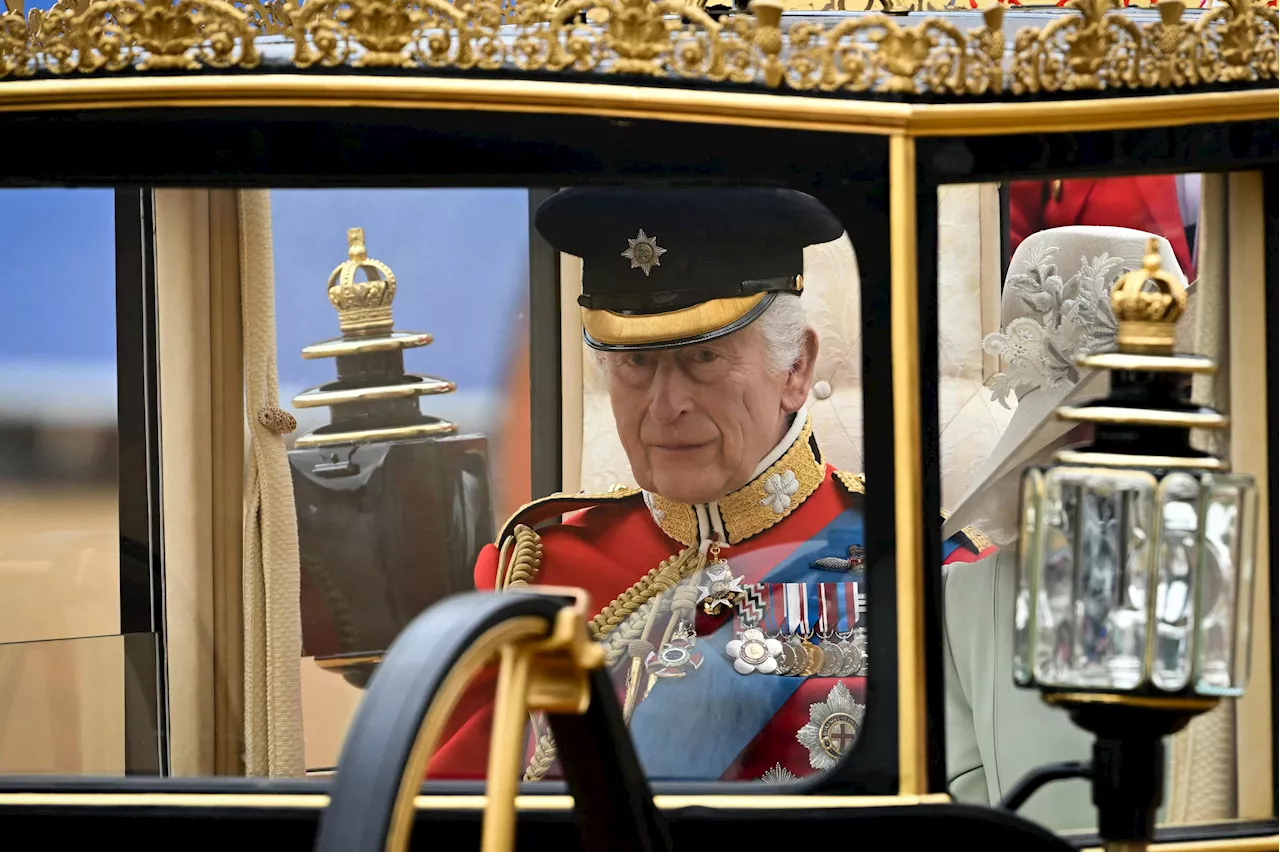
<point>373,397</point>
<point>378,454</point>
<point>1092,47</point>
<point>1136,557</point>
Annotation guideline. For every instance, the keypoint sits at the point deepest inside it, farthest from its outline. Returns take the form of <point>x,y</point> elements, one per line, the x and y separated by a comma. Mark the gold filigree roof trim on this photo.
<point>1092,47</point>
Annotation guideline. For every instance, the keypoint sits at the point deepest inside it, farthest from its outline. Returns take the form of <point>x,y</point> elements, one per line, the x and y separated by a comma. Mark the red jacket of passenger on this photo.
<point>1147,203</point>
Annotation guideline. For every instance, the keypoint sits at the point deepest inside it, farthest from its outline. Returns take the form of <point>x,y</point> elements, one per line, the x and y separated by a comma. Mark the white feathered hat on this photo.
<point>1055,307</point>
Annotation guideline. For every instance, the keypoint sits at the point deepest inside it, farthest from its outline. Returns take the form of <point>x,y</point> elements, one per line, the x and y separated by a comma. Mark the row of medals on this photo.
<point>839,654</point>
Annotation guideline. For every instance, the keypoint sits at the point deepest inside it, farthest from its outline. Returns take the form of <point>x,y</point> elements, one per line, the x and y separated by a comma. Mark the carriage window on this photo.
<point>402,322</point>
<point>62,658</point>
<point>1012,328</point>
<point>704,409</point>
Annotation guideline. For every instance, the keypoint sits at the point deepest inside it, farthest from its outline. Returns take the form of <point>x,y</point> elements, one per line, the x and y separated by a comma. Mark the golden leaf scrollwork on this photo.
<point>397,33</point>
<point>16,57</point>
<point>1103,49</point>
<point>1092,46</point>
<point>1096,49</point>
<point>112,35</point>
<point>1237,42</point>
<point>873,52</point>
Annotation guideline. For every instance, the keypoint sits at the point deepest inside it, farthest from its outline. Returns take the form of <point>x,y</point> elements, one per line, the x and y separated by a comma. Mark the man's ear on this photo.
<point>796,389</point>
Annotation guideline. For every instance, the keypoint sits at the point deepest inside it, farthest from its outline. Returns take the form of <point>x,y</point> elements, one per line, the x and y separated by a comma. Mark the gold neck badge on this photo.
<point>764,501</point>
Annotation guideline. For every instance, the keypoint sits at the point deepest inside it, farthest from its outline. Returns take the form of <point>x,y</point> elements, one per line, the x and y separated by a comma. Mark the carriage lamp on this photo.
<point>1135,568</point>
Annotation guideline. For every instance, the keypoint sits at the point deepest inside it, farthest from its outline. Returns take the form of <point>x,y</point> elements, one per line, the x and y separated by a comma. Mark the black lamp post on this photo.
<point>1135,565</point>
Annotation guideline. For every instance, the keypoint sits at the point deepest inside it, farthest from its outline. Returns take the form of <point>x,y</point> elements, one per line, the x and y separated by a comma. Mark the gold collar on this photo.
<point>758,505</point>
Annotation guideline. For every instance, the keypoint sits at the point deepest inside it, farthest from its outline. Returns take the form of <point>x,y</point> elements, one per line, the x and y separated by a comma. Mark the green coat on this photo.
<point>997,732</point>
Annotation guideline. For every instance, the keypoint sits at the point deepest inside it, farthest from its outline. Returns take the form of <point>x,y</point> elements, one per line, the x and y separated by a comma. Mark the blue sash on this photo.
<point>693,728</point>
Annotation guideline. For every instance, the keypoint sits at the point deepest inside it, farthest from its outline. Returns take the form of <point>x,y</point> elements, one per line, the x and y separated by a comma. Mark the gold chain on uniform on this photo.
<point>526,560</point>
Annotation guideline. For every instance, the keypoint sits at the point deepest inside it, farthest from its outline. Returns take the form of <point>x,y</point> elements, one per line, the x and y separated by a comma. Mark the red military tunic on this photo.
<point>792,538</point>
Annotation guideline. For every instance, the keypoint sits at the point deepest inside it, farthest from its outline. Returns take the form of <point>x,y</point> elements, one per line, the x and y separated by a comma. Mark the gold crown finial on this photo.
<point>364,306</point>
<point>1145,318</point>
<point>355,244</point>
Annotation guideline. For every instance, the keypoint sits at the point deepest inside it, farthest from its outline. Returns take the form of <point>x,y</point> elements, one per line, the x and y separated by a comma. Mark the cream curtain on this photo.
<point>272,625</point>
<point>1202,769</point>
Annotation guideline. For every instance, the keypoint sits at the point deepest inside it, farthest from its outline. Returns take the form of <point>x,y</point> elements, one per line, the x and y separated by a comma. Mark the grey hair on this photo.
<point>781,326</point>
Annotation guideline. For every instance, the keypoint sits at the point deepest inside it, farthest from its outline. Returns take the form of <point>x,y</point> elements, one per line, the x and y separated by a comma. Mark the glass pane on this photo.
<point>78,706</point>
<point>412,439</point>
<point>708,458</point>
<point>59,524</point>
<point>1023,275</point>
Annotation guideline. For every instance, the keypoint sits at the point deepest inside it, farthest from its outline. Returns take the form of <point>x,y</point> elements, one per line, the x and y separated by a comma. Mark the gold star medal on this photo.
<point>643,252</point>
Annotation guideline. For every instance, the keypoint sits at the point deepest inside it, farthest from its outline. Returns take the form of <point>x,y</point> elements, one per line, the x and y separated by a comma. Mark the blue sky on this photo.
<point>460,258</point>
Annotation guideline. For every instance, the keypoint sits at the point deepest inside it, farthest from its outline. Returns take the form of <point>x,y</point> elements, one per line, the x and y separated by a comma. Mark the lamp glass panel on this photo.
<point>1226,582</point>
<point>1174,614</point>
<point>1032,493</point>
<point>1095,552</point>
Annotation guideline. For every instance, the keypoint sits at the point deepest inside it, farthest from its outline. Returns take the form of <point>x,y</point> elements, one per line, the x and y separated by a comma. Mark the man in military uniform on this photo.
<point>731,582</point>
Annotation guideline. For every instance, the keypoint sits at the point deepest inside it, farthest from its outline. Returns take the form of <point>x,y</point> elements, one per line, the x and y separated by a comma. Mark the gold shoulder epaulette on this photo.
<point>857,484</point>
<point>534,513</point>
<point>977,541</point>
<point>519,559</point>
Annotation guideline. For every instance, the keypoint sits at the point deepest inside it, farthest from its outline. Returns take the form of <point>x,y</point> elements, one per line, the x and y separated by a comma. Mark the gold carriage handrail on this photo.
<point>1091,47</point>
<point>547,663</point>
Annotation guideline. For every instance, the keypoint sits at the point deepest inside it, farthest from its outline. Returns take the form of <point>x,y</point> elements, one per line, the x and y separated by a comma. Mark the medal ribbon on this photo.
<point>775,607</point>
<point>842,603</point>
<point>813,597</point>
<point>830,608</point>
<point>797,599</point>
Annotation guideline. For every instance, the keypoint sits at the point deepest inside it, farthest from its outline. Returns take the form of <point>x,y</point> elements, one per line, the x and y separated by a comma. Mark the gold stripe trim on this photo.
<point>703,318</point>
<point>532,803</point>
<point>343,662</point>
<point>1142,417</point>
<point>394,342</point>
<point>1126,461</point>
<point>1233,844</point>
<point>1158,703</point>
<point>1197,364</point>
<point>904,330</point>
<point>640,102</point>
<point>317,398</point>
<point>1084,115</point>
<point>391,433</point>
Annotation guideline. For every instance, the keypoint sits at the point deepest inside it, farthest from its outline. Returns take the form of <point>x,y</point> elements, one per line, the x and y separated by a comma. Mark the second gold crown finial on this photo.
<point>1145,317</point>
<point>364,306</point>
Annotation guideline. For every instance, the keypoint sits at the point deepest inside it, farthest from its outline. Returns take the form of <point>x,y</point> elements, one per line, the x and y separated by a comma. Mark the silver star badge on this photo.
<point>833,727</point>
<point>779,774</point>
<point>719,588</point>
<point>643,252</point>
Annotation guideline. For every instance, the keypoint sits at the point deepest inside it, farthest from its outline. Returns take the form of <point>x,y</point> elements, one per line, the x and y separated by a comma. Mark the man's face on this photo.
<point>696,420</point>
